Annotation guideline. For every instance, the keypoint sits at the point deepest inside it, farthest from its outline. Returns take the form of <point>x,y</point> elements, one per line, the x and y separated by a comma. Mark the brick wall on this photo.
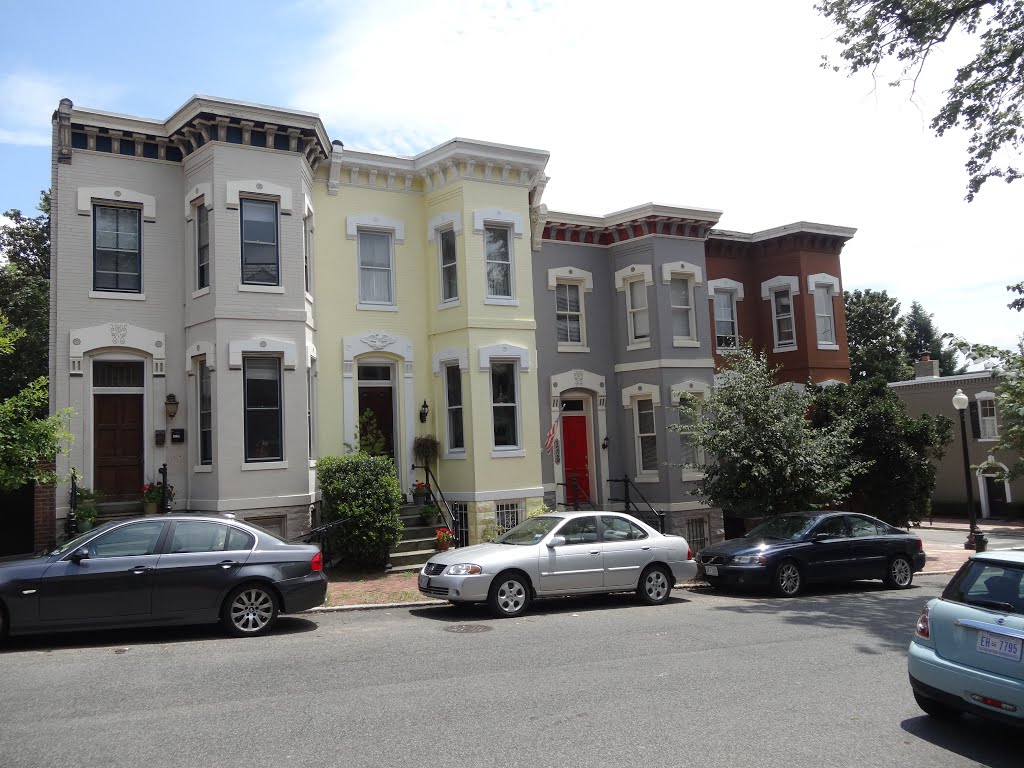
<point>44,514</point>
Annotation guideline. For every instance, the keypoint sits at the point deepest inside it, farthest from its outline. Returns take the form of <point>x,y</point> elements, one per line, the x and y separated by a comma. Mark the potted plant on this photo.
<point>444,537</point>
<point>421,492</point>
<point>86,508</point>
<point>426,449</point>
<point>430,515</point>
<point>152,493</point>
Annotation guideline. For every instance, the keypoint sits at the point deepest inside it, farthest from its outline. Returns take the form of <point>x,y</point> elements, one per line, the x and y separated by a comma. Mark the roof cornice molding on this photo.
<point>629,224</point>
<point>937,382</point>
<point>797,228</point>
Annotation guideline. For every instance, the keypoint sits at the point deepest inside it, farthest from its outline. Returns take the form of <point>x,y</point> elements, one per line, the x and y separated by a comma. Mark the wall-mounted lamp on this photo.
<point>171,406</point>
<point>604,443</point>
<point>424,412</point>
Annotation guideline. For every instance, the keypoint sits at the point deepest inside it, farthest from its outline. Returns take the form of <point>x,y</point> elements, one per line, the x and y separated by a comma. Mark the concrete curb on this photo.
<point>372,606</point>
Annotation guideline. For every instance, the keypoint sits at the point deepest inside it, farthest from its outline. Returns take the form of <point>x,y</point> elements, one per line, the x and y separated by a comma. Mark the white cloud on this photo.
<point>28,99</point>
<point>715,105</point>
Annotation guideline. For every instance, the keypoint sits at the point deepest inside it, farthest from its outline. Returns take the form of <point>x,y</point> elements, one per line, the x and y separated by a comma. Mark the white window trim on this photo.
<point>279,206</point>
<point>987,397</point>
<point>642,475</point>
<point>703,389</point>
<point>830,283</point>
<point>442,220</point>
<point>256,288</point>
<point>504,352</point>
<point>197,361</point>
<point>391,306</point>
<point>633,343</point>
<point>511,451</point>
<point>632,272</point>
<point>375,221</point>
<point>442,367</point>
<point>570,346</point>
<point>88,196</point>
<point>768,289</point>
<point>436,236</point>
<point>259,188</point>
<point>693,278</point>
<point>237,348</point>
<point>450,354</point>
<point>571,274</point>
<point>501,216</point>
<point>511,300</point>
<point>118,295</point>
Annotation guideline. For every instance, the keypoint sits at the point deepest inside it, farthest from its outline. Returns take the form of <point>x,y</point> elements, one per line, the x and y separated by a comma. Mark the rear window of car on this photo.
<point>999,586</point>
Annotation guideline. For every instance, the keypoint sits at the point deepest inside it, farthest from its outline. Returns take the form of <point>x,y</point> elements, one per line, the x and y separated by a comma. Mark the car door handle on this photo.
<point>645,548</point>
<point>141,569</point>
<point>225,564</point>
<point>595,551</point>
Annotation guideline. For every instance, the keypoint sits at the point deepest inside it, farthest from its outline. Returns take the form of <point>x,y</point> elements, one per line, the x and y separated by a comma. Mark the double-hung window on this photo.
<point>636,309</point>
<point>989,428</point>
<point>202,247</point>
<point>449,268</point>
<point>646,437</point>
<point>726,333</point>
<point>498,248</point>
<point>505,405</point>
<point>117,251</point>
<point>376,273</point>
<point>823,316</point>
<point>205,414</point>
<point>260,262</point>
<point>569,314</point>
<point>691,456</point>
<point>683,326</point>
<point>782,317</point>
<point>262,405</point>
<point>453,404</point>
<point>307,254</point>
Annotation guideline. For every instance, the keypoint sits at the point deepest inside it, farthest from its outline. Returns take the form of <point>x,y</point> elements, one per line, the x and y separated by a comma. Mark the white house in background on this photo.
<point>182,312</point>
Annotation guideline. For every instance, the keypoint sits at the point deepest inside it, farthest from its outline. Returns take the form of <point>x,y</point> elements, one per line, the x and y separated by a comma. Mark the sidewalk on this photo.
<point>364,590</point>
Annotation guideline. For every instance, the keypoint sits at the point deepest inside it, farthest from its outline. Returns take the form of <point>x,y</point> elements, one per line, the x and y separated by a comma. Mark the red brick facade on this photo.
<point>44,514</point>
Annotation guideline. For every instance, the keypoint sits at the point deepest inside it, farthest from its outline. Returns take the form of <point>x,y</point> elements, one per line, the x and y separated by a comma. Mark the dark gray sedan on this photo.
<point>179,569</point>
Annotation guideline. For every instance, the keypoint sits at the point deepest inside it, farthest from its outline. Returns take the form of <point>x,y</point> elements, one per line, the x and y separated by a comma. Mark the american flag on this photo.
<point>549,441</point>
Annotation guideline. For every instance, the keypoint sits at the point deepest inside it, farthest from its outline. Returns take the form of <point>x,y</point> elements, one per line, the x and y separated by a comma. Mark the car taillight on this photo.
<point>920,545</point>
<point>689,553</point>
<point>923,630</point>
<point>317,563</point>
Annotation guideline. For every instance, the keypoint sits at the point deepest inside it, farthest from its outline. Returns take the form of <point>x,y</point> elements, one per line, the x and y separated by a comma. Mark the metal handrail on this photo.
<point>319,536</point>
<point>576,499</point>
<point>451,519</point>
<point>626,485</point>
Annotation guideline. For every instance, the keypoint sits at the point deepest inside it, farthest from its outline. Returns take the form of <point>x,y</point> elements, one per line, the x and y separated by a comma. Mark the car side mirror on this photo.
<point>556,541</point>
<point>80,554</point>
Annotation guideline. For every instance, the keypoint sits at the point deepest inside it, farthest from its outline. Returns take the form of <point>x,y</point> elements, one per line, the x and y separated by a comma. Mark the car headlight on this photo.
<point>750,559</point>
<point>463,569</point>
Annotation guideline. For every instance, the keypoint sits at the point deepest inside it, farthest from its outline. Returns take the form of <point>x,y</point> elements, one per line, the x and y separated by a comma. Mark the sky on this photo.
<point>689,103</point>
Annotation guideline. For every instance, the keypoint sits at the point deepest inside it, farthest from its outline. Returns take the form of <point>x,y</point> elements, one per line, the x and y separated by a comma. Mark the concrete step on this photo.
<point>414,545</point>
<point>413,559</point>
<point>419,532</point>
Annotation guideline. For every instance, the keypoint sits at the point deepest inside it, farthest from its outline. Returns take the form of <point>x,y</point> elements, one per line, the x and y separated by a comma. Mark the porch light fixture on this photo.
<point>171,406</point>
<point>424,412</point>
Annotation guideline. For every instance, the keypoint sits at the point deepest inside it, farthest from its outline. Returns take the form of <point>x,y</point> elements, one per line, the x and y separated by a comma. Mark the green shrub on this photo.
<point>365,489</point>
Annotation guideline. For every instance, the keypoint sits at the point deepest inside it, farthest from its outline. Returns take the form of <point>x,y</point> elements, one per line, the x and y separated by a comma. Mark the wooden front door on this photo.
<point>996,490</point>
<point>379,401</point>
<point>118,446</point>
<point>576,459</point>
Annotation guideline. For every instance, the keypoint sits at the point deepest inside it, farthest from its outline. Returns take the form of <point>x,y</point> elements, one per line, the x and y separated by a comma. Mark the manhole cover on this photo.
<point>467,629</point>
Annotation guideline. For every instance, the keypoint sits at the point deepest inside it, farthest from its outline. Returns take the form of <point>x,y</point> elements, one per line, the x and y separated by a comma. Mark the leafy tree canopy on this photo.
<point>875,336</point>
<point>897,450</point>
<point>26,241</point>
<point>764,456</point>
<point>921,337</point>
<point>985,98</point>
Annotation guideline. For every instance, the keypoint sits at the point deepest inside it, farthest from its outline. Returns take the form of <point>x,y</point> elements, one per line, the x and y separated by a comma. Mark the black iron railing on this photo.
<point>629,500</point>
<point>577,494</point>
<point>72,521</point>
<point>321,536</point>
<point>437,498</point>
<point>165,503</point>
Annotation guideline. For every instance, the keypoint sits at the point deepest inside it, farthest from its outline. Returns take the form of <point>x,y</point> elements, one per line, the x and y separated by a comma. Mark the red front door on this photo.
<point>576,459</point>
<point>118,447</point>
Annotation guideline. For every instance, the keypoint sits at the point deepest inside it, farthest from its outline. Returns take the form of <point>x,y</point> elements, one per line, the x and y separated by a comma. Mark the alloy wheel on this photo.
<point>788,579</point>
<point>511,596</point>
<point>656,586</point>
<point>252,610</point>
<point>900,573</point>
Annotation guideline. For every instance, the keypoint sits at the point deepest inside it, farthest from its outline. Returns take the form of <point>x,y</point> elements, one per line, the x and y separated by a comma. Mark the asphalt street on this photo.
<point>707,680</point>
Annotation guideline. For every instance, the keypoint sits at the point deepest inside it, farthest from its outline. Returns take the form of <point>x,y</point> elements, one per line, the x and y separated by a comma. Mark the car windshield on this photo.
<point>78,541</point>
<point>790,527</point>
<point>530,531</point>
<point>999,586</point>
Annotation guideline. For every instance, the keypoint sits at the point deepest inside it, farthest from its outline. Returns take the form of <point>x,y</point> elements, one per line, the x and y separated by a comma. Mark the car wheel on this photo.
<point>788,580</point>
<point>509,595</point>
<point>936,709</point>
<point>900,573</point>
<point>655,585</point>
<point>249,611</point>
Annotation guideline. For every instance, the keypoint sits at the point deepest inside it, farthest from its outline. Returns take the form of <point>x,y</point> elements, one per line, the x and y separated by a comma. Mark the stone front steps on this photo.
<point>417,544</point>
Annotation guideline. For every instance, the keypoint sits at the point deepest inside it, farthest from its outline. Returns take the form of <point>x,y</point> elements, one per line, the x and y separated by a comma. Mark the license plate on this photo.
<point>424,580</point>
<point>997,645</point>
<point>710,570</point>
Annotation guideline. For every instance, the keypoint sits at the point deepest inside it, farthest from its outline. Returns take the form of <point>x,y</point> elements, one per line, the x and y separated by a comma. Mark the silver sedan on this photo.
<point>556,554</point>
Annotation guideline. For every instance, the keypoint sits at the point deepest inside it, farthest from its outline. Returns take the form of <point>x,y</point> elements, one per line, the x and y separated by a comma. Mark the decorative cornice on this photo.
<point>622,226</point>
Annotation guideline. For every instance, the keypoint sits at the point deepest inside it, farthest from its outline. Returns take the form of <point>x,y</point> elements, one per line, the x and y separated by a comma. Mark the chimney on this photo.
<point>926,368</point>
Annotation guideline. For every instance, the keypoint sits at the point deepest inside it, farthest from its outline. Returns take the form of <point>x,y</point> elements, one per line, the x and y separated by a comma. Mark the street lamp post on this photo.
<point>975,539</point>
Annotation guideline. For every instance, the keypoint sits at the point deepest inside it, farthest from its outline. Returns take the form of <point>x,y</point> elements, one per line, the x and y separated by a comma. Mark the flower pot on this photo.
<point>441,546</point>
<point>149,507</point>
<point>84,525</point>
<point>421,499</point>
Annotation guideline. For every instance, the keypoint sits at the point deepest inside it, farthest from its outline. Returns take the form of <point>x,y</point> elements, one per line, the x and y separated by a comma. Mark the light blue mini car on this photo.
<point>966,651</point>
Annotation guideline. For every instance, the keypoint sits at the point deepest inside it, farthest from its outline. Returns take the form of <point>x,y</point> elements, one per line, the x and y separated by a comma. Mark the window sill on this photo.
<point>117,295</point>
<point>638,345</point>
<point>312,463</point>
<point>257,465</point>
<point>988,439</point>
<point>645,479</point>
<point>572,348</point>
<point>789,348</point>
<point>828,346</point>
<point>691,477</point>
<point>513,453</point>
<point>679,341</point>
<point>309,297</point>
<point>450,304</point>
<point>727,350</point>
<point>501,301</point>
<point>246,288</point>
<point>202,469</point>
<point>200,292</point>
<point>455,456</point>
<point>377,307</point>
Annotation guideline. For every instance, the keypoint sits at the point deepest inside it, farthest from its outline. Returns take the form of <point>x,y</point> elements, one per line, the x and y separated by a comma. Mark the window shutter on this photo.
<point>975,421</point>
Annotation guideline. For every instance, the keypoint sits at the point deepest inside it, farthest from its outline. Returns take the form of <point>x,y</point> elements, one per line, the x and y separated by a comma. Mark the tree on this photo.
<point>766,457</point>
<point>875,336</point>
<point>25,295</point>
<point>921,337</point>
<point>1017,303</point>
<point>985,98</point>
<point>898,451</point>
<point>25,437</point>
